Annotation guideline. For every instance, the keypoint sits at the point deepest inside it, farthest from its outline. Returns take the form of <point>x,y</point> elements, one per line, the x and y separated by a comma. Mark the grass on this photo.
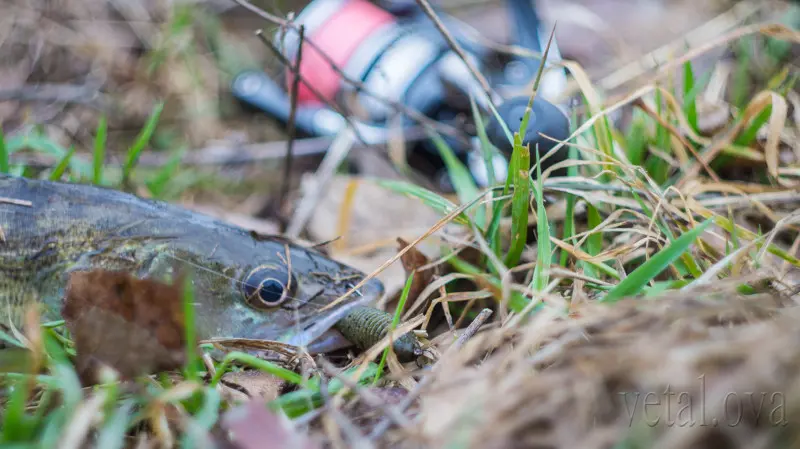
<point>634,283</point>
<point>99,156</point>
<point>629,229</point>
<point>395,321</point>
<point>144,137</point>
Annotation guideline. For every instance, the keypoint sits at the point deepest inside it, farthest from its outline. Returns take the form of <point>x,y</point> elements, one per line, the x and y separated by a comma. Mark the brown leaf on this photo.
<point>253,384</point>
<point>412,261</point>
<point>132,325</point>
<point>253,426</point>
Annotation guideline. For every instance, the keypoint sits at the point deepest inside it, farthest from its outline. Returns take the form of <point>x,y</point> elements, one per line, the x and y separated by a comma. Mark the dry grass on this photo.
<point>558,382</point>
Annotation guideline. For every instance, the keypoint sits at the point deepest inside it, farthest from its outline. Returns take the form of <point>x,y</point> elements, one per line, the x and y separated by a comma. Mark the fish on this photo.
<point>246,285</point>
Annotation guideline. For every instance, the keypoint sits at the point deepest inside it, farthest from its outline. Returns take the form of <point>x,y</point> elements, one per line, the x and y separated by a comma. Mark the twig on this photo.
<point>287,167</point>
<point>471,330</point>
<point>296,73</point>
<point>263,14</point>
<point>487,89</point>
<point>7,200</point>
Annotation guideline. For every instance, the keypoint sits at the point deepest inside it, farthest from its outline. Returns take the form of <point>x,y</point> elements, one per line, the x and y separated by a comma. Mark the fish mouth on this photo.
<point>317,325</point>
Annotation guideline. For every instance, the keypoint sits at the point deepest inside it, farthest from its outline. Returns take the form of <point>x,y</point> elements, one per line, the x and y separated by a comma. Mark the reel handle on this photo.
<point>255,88</point>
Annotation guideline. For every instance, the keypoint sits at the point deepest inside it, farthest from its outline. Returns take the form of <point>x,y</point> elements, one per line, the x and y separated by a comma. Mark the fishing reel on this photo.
<point>367,59</point>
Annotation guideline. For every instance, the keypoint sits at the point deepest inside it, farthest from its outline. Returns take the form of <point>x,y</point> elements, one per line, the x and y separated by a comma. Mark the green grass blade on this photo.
<point>255,362</point>
<point>544,250</point>
<point>636,140</point>
<point>395,320</point>
<point>99,151</point>
<point>460,176</point>
<point>59,169</point>
<point>657,167</point>
<point>741,80</point>
<point>569,227</point>
<point>492,234</point>
<point>42,144</point>
<point>204,419</point>
<point>14,422</point>
<point>52,428</point>
<point>690,104</point>
<point>569,218</point>
<point>209,412</point>
<point>3,153</point>
<point>113,434</point>
<point>639,278</point>
<point>141,141</point>
<point>5,337</point>
<point>748,136</point>
<point>487,149</point>
<point>190,369</point>
<point>698,87</point>
<point>297,403</point>
<point>158,184</point>
<point>489,152</point>
<point>520,203</point>
<point>594,243</point>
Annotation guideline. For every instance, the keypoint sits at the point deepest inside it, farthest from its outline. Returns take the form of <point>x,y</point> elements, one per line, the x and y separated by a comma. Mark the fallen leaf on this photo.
<point>134,326</point>
<point>253,426</point>
<point>253,384</point>
<point>412,261</point>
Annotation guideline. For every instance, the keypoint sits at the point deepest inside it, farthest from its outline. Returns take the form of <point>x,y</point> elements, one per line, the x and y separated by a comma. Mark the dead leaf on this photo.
<point>253,426</point>
<point>132,325</point>
<point>412,261</point>
<point>253,384</point>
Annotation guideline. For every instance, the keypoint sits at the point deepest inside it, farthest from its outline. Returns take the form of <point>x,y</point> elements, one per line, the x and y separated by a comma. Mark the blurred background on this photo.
<point>140,95</point>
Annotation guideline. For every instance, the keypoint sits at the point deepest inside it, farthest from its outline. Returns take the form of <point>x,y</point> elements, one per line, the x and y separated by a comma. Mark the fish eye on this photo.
<point>267,286</point>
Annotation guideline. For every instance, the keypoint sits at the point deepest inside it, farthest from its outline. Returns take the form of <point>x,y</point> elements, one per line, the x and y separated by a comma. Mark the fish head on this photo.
<point>265,288</point>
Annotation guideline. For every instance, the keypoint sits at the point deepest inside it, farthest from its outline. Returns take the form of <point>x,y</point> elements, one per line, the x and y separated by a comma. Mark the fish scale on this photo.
<point>82,227</point>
